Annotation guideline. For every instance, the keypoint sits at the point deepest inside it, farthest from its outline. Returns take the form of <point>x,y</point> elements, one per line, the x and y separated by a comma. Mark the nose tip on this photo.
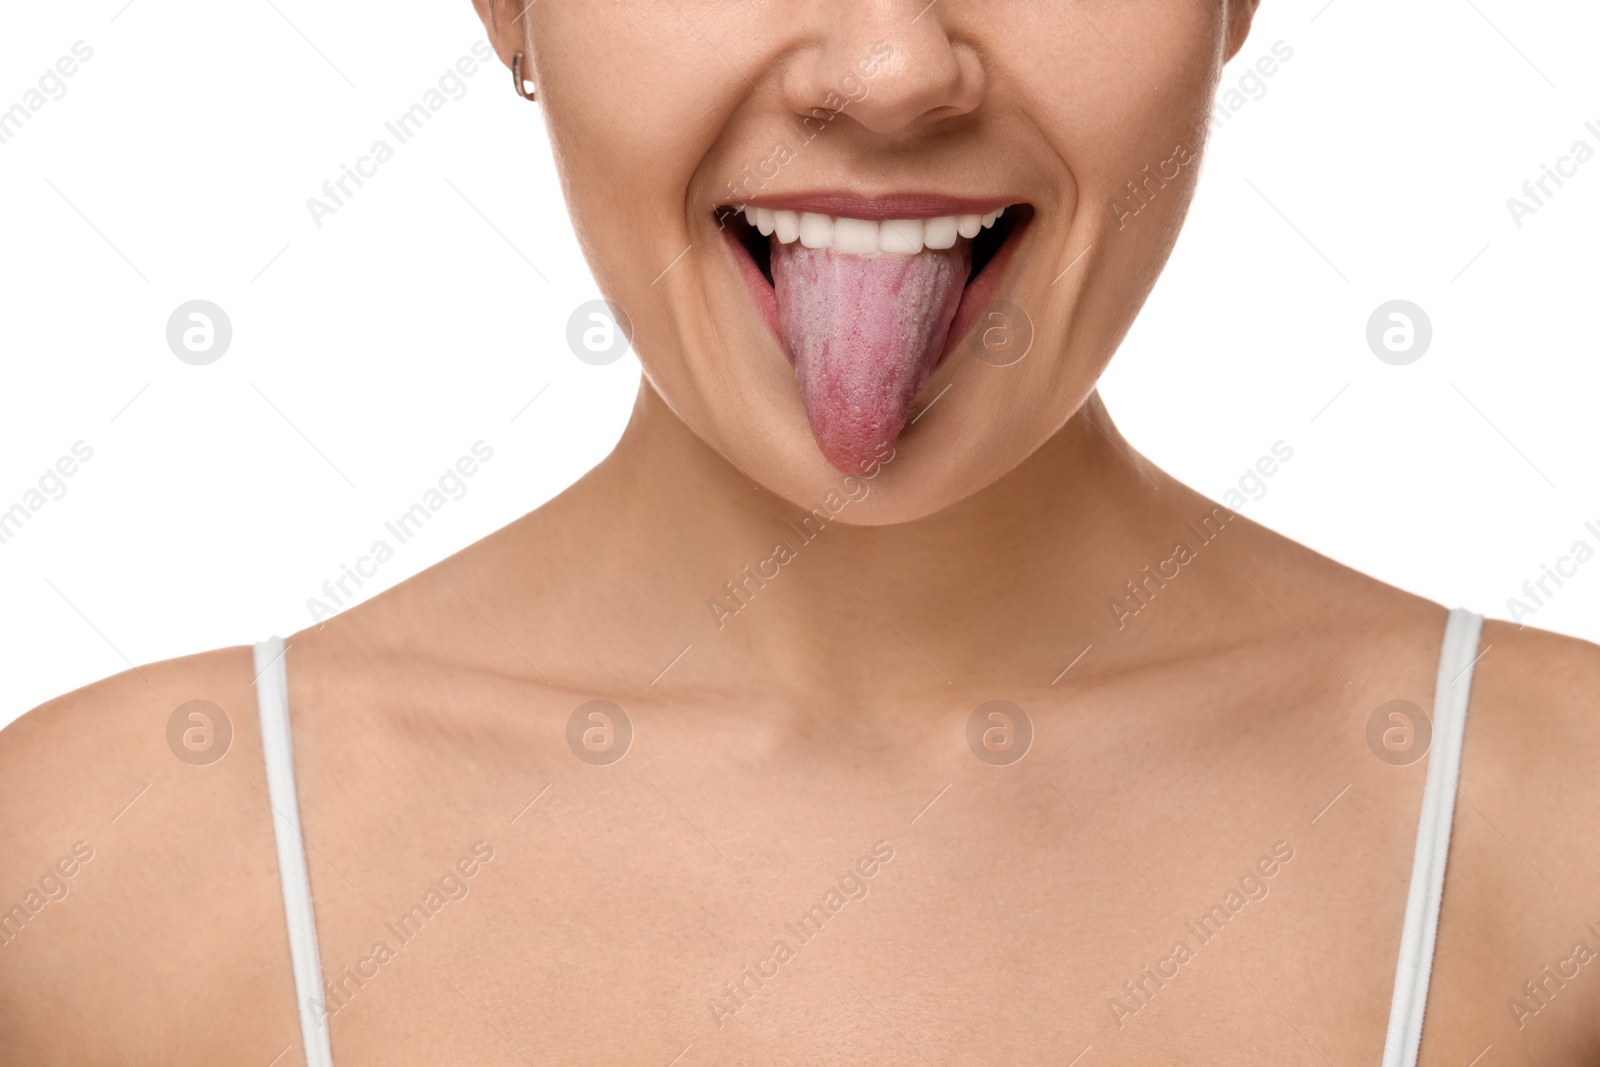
<point>887,66</point>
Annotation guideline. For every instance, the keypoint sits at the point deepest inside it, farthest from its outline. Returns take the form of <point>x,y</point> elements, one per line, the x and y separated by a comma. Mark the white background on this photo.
<point>370,353</point>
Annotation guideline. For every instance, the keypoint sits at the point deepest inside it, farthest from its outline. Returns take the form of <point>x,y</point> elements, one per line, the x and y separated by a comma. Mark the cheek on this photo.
<point>1117,96</point>
<point>1123,105</point>
<point>633,98</point>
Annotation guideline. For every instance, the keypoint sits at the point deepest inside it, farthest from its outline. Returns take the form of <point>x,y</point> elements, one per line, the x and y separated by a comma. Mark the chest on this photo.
<point>743,901</point>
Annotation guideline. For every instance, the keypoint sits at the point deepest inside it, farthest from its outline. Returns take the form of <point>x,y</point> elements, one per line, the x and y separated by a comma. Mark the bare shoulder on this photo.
<point>1533,733</point>
<point>1517,962</point>
<point>1522,663</point>
<point>62,763</point>
<point>1535,702</point>
<point>1518,940</point>
<point>139,872</point>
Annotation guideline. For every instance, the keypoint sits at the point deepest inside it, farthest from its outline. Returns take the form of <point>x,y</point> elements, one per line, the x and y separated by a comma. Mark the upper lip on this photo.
<point>854,205</point>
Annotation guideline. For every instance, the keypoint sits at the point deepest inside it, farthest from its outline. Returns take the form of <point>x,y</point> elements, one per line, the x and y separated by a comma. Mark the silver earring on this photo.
<point>516,79</point>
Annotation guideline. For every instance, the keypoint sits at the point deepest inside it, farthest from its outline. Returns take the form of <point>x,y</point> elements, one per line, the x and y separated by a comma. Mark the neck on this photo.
<point>1001,590</point>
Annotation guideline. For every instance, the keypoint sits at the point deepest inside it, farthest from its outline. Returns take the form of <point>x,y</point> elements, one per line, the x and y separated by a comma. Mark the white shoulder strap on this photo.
<point>272,697</point>
<point>1450,695</point>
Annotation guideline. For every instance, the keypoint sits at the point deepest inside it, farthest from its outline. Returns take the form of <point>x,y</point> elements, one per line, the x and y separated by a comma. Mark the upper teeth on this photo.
<point>862,237</point>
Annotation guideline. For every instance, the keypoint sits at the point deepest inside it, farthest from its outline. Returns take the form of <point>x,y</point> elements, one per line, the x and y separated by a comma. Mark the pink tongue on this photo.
<point>864,332</point>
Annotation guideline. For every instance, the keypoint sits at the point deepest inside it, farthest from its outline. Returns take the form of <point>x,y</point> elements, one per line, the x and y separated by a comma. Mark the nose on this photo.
<point>887,64</point>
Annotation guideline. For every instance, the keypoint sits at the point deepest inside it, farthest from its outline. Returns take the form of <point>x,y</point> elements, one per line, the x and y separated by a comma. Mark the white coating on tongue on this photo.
<point>864,332</point>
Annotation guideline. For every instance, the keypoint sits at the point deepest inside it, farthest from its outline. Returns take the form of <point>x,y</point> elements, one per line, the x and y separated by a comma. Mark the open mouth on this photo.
<point>867,303</point>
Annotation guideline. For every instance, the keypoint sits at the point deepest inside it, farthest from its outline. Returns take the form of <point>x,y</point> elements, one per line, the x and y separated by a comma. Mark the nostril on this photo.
<point>890,81</point>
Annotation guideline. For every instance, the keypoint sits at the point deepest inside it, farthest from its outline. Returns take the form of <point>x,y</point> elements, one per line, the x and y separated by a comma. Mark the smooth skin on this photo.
<point>775,747</point>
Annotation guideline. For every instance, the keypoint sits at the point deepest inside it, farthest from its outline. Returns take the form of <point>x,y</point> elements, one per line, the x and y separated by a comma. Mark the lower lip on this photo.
<point>974,298</point>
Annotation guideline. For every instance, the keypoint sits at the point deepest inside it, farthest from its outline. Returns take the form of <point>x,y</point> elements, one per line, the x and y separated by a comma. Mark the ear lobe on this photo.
<point>1240,14</point>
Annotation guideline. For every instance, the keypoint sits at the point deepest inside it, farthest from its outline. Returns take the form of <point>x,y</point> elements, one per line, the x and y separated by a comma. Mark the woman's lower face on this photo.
<point>829,220</point>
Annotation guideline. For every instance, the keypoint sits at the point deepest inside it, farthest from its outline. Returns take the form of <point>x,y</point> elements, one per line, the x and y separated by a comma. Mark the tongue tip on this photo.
<point>855,455</point>
<point>853,426</point>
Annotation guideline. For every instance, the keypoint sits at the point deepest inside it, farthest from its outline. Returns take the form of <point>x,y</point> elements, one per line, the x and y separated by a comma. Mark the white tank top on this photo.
<point>1451,691</point>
